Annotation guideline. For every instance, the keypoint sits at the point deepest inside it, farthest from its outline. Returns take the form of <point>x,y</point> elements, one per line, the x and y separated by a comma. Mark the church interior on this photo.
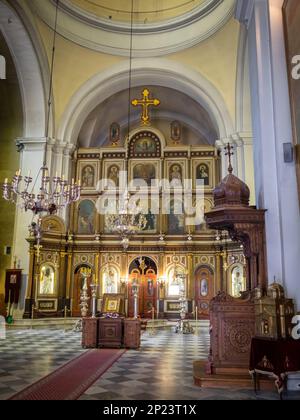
<point>150,199</point>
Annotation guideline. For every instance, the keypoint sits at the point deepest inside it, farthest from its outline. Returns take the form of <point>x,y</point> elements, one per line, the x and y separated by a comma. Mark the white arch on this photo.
<point>28,70</point>
<point>154,71</point>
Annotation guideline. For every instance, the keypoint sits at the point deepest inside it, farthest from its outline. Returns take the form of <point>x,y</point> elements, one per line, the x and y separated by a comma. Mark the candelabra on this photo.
<point>135,299</point>
<point>54,194</point>
<point>94,299</point>
<point>84,298</point>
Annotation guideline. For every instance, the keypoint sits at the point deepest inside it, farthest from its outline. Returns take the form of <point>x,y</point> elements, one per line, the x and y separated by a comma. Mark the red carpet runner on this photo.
<point>71,380</point>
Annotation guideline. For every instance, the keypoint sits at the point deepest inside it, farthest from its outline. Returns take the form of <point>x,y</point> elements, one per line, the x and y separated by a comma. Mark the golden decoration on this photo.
<point>145,103</point>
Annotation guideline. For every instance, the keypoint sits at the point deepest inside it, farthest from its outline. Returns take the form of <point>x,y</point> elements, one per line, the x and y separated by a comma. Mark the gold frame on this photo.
<point>54,300</point>
<point>117,299</point>
<point>182,162</point>
<point>95,165</point>
<point>210,164</point>
<point>155,162</point>
<point>108,163</point>
<point>55,293</point>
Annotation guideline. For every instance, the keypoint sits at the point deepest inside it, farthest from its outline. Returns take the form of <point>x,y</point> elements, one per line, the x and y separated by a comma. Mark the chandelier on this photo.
<point>128,220</point>
<point>53,193</point>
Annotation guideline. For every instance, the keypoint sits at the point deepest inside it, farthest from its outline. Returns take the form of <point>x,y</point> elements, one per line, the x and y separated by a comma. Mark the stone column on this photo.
<point>276,184</point>
<point>31,159</point>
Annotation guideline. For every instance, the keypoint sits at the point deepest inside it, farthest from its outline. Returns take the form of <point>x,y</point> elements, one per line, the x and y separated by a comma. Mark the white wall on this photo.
<point>276,186</point>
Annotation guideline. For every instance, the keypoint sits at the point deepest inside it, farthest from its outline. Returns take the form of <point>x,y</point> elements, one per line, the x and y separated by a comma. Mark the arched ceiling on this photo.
<point>143,11</point>
<point>196,123</point>
<point>160,27</point>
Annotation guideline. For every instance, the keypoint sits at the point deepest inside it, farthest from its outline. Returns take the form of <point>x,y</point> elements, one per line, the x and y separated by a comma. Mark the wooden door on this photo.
<point>146,279</point>
<point>204,290</point>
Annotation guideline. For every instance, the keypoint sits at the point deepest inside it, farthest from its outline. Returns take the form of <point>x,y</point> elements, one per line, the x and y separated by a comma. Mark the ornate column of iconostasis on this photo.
<point>190,278</point>
<point>61,276</point>
<point>219,272</point>
<point>69,256</point>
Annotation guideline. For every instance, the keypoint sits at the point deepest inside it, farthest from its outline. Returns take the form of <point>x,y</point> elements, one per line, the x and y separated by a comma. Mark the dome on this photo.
<point>231,192</point>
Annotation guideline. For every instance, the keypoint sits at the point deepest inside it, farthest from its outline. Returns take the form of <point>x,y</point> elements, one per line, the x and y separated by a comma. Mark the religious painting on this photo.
<point>110,280</point>
<point>88,177</point>
<point>172,306</point>
<point>113,175</point>
<point>202,208</point>
<point>112,172</point>
<point>88,174</point>
<point>204,287</point>
<point>114,133</point>
<point>176,131</point>
<point>202,171</point>
<point>145,172</point>
<point>291,16</point>
<point>53,224</point>
<point>238,281</point>
<point>112,304</point>
<point>151,226</point>
<point>176,176</point>
<point>86,217</point>
<point>176,218</point>
<point>47,280</point>
<point>47,305</point>
<point>145,145</point>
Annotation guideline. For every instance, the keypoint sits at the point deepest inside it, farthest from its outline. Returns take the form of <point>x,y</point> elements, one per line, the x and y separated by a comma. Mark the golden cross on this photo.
<point>229,153</point>
<point>145,103</point>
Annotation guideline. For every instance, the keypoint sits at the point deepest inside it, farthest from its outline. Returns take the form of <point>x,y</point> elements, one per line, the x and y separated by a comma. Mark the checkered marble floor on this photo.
<point>162,369</point>
<point>28,355</point>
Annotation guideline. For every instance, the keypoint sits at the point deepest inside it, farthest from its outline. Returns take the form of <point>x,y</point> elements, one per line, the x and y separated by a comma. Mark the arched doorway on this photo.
<point>204,290</point>
<point>80,272</point>
<point>143,274</point>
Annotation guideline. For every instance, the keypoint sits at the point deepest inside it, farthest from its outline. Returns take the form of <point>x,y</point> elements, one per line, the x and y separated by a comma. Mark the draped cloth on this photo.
<point>275,358</point>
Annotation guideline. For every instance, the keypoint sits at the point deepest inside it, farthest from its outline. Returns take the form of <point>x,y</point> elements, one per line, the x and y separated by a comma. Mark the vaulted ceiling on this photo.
<point>197,125</point>
<point>143,11</point>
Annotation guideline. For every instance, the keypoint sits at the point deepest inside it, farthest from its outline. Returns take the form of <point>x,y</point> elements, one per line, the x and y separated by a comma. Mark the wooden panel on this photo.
<point>89,332</point>
<point>132,333</point>
<point>110,332</point>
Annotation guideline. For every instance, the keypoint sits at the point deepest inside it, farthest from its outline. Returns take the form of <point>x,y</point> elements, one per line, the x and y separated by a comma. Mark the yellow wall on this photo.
<point>214,58</point>
<point>10,129</point>
<point>74,65</point>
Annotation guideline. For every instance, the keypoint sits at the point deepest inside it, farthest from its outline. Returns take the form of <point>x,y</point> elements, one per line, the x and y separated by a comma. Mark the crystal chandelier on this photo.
<point>128,220</point>
<point>53,193</point>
